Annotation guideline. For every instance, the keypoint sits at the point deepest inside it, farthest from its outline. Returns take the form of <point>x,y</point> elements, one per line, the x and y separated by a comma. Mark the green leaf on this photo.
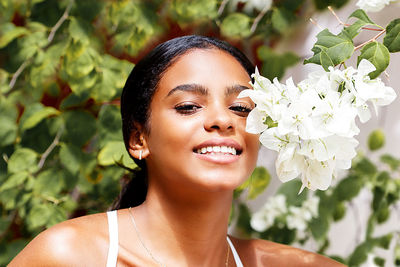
<point>14,180</point>
<point>23,159</point>
<point>71,157</point>
<point>35,114</point>
<point>79,30</point>
<point>8,32</point>
<point>259,181</point>
<point>281,19</point>
<point>274,64</point>
<point>290,190</point>
<point>360,254</point>
<point>376,139</point>
<point>39,215</point>
<point>362,16</point>
<point>330,49</point>
<point>393,162</point>
<point>109,124</point>
<point>236,25</point>
<point>113,152</point>
<point>80,126</point>
<point>377,54</point>
<point>363,20</point>
<point>392,37</point>
<point>8,131</point>
<point>348,188</point>
<point>48,183</point>
<point>319,228</point>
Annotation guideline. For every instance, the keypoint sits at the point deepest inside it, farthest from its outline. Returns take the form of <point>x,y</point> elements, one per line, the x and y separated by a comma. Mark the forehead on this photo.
<point>211,68</point>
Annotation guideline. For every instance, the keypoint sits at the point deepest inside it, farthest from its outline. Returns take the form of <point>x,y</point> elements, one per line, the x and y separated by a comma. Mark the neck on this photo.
<point>192,226</point>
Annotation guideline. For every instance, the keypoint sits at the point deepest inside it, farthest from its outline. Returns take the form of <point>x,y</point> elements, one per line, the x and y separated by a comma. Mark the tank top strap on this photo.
<point>113,238</point>
<point>235,254</point>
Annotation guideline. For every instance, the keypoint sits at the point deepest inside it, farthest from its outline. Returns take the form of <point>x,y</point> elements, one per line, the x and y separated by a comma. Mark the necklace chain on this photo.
<point>148,250</point>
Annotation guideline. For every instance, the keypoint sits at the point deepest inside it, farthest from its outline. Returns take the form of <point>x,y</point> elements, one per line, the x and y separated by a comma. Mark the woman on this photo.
<point>185,127</point>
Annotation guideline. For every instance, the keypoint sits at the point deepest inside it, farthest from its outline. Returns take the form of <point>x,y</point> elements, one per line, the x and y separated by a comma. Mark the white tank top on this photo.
<point>113,238</point>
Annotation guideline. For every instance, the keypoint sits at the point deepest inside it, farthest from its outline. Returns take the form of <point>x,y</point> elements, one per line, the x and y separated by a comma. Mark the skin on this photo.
<point>183,221</point>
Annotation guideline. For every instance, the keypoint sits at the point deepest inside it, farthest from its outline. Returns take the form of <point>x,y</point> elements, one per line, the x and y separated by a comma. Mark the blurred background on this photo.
<point>63,64</point>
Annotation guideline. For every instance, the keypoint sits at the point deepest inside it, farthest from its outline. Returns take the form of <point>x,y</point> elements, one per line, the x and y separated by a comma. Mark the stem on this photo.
<point>258,18</point>
<point>60,21</point>
<point>336,16</point>
<point>315,23</point>
<point>18,72</point>
<point>369,41</point>
<point>50,148</point>
<point>222,7</point>
<point>346,24</point>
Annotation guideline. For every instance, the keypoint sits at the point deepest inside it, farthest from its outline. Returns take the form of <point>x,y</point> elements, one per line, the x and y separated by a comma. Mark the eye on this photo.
<point>241,109</point>
<point>187,108</point>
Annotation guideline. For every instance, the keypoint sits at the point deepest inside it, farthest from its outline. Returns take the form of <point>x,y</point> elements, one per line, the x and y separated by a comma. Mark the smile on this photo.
<point>216,149</point>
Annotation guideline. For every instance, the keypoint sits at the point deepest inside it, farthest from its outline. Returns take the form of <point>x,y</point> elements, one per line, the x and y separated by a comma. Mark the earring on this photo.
<point>140,155</point>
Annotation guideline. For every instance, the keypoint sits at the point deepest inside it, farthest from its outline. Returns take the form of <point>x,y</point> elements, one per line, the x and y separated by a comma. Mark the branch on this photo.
<point>369,41</point>
<point>315,23</point>
<point>50,148</point>
<point>222,7</point>
<point>60,21</point>
<point>346,24</point>
<point>49,39</point>
<point>18,72</point>
<point>258,18</point>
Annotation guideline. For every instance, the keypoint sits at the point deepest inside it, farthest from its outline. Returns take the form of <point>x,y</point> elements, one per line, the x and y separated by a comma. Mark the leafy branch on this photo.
<point>49,39</point>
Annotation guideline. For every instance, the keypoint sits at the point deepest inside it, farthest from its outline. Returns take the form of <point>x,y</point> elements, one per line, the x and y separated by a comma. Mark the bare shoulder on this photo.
<point>256,252</point>
<point>69,243</point>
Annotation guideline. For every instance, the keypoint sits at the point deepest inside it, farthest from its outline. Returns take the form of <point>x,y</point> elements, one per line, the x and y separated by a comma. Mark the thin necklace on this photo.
<point>148,250</point>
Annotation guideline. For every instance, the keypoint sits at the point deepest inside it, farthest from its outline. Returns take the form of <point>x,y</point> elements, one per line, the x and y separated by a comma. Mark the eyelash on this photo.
<point>188,109</point>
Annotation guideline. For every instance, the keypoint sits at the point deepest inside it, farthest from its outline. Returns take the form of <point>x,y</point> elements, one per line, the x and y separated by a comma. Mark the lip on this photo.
<point>219,158</point>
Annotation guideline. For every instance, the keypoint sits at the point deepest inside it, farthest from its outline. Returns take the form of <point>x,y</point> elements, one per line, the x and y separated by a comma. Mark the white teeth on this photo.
<point>216,149</point>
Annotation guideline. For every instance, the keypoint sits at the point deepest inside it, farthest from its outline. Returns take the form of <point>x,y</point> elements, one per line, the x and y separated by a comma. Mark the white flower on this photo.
<point>265,217</point>
<point>372,5</point>
<point>315,120</point>
<point>299,217</point>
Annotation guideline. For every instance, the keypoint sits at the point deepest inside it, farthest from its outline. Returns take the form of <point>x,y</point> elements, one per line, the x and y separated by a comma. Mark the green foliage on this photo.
<point>392,37</point>
<point>274,64</point>
<point>377,54</point>
<point>331,50</point>
<point>236,25</point>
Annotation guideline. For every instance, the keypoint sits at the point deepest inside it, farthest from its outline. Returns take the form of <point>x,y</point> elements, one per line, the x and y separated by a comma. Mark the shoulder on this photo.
<point>68,243</point>
<point>258,252</point>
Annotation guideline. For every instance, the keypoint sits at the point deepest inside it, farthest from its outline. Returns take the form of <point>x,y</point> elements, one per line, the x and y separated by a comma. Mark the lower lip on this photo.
<point>218,158</point>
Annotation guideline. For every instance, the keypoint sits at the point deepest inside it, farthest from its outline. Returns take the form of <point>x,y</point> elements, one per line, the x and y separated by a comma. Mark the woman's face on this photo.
<point>197,124</point>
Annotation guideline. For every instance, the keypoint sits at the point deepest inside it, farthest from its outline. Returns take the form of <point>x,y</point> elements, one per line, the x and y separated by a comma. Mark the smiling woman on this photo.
<point>185,127</point>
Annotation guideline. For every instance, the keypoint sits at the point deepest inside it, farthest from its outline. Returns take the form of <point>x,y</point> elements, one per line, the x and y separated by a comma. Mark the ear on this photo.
<point>138,143</point>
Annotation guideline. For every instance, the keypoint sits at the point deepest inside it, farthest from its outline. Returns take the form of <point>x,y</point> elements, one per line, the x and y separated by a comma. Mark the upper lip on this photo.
<point>220,142</point>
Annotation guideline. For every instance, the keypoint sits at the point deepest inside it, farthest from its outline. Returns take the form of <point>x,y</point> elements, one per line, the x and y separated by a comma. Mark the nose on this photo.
<point>219,118</point>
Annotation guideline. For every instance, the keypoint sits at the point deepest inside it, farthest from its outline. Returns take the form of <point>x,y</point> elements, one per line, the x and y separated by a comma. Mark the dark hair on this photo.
<point>139,90</point>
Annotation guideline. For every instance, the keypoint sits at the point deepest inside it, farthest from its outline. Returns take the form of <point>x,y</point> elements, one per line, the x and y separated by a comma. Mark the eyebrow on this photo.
<point>201,90</point>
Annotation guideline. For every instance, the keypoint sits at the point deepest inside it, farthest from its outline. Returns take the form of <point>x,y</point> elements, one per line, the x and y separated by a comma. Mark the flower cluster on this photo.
<point>312,125</point>
<point>294,217</point>
<point>373,5</point>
